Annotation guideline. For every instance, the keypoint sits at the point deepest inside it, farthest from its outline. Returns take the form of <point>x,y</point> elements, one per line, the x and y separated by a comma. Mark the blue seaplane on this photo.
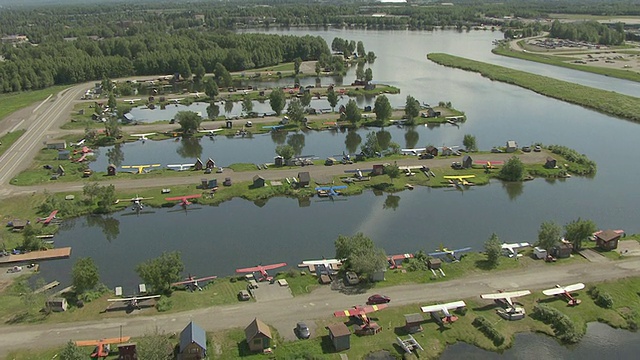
<point>329,191</point>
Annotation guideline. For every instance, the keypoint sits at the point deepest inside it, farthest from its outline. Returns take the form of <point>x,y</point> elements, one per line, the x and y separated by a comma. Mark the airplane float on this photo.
<point>448,317</point>
<point>360,312</point>
<point>454,255</point>
<point>191,283</point>
<point>264,276</point>
<point>459,180</point>
<point>565,291</point>
<point>511,250</point>
<point>142,137</point>
<point>396,260</point>
<point>131,101</point>
<point>102,346</point>
<point>47,220</point>
<point>180,167</point>
<point>510,311</point>
<point>184,200</point>
<point>133,302</point>
<point>329,191</point>
<point>140,169</point>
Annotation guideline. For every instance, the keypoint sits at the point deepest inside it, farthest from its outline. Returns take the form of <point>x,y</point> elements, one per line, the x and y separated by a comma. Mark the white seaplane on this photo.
<point>509,310</point>
<point>565,291</point>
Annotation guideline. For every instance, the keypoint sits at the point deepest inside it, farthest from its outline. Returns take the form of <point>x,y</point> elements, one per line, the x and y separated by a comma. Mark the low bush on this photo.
<point>488,330</point>
<point>164,304</point>
<point>564,329</point>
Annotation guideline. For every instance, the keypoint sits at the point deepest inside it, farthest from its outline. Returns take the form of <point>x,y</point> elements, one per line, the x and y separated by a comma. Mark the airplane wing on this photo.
<point>249,269</point>
<point>103,341</point>
<point>184,282</point>
<point>321,262</point>
<point>439,253</point>
<point>147,297</point>
<point>121,299</point>
<point>506,295</point>
<point>459,176</point>
<point>443,307</point>
<point>339,187</point>
<point>323,188</point>
<point>562,290</point>
<point>360,310</point>
<point>274,266</point>
<point>467,249</point>
<point>207,278</point>
<point>574,287</point>
<point>186,197</point>
<point>145,134</point>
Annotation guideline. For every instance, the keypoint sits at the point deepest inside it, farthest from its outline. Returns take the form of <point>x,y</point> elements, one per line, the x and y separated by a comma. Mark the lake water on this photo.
<point>238,233</point>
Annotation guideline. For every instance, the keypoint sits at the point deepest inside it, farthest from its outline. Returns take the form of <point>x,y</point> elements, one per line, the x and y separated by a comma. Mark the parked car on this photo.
<point>352,278</point>
<point>302,331</point>
<point>537,148</point>
<point>248,124</point>
<point>425,155</point>
<point>243,295</point>
<point>378,299</point>
<point>526,149</point>
<point>496,150</point>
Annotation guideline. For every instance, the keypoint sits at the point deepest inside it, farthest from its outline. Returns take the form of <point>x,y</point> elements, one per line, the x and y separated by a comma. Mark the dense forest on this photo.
<point>589,31</point>
<point>60,44</point>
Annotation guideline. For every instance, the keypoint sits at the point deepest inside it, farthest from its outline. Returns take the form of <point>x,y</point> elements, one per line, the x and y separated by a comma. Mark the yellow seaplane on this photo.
<point>140,169</point>
<point>459,180</point>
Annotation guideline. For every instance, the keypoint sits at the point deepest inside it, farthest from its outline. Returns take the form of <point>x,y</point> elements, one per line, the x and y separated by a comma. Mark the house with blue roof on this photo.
<point>193,343</point>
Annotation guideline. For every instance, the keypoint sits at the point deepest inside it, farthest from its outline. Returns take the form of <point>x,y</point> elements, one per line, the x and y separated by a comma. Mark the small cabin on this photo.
<point>210,164</point>
<point>467,162</point>
<point>330,161</point>
<point>562,250</point>
<point>17,224</point>
<point>278,161</point>
<point>229,124</point>
<point>608,240</point>
<point>378,169</point>
<point>112,170</point>
<point>127,351</point>
<point>340,335</point>
<point>550,163</point>
<point>56,144</point>
<point>431,150</point>
<point>434,264</point>
<point>193,342</point>
<point>258,336</point>
<point>227,181</point>
<point>304,179</point>
<point>512,146</point>
<point>64,154</point>
<point>413,323</point>
<point>198,165</point>
<point>56,304</point>
<point>258,181</point>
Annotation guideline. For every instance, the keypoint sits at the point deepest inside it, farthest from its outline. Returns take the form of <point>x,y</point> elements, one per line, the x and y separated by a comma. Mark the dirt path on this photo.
<point>283,314</point>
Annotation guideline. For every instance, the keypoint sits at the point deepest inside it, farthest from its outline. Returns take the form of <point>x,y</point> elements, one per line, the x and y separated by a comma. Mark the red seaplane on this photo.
<point>191,283</point>
<point>565,291</point>
<point>262,269</point>
<point>360,312</point>
<point>184,200</point>
<point>395,261</point>
<point>47,220</point>
<point>102,346</point>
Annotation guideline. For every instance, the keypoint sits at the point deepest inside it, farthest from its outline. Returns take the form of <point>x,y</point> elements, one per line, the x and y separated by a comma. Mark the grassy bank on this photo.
<point>608,102</point>
<point>566,61</point>
<point>9,139</point>
<point>15,101</point>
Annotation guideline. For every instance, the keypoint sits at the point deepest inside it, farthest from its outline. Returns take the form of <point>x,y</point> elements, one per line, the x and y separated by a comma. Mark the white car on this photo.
<point>248,124</point>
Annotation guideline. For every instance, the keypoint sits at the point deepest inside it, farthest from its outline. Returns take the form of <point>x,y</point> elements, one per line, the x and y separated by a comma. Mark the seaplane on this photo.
<point>448,317</point>
<point>142,137</point>
<point>131,101</point>
<point>181,167</point>
<point>329,191</point>
<point>454,255</point>
<point>415,151</point>
<point>136,202</point>
<point>79,143</point>
<point>360,312</point>
<point>191,283</point>
<point>448,150</point>
<point>176,101</point>
<point>140,169</point>
<point>135,302</point>
<point>273,128</point>
<point>565,291</point>
<point>509,310</point>
<point>210,132</point>
<point>262,269</point>
<point>102,346</point>
<point>488,164</point>
<point>395,261</point>
<point>511,250</point>
<point>459,181</point>
<point>47,220</point>
<point>329,264</point>
<point>359,173</point>
<point>184,200</point>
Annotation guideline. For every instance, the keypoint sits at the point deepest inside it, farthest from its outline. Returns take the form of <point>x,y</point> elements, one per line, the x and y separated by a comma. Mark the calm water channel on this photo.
<point>238,233</point>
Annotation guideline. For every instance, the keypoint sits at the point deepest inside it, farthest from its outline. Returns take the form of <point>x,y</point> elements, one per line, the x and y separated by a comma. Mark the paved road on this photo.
<point>283,314</point>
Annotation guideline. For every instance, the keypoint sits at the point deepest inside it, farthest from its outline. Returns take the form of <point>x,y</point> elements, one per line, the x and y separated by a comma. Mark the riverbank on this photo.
<point>608,102</point>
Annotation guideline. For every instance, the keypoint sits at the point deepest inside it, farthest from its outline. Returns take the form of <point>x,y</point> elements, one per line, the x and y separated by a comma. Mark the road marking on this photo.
<point>42,103</point>
<point>17,125</point>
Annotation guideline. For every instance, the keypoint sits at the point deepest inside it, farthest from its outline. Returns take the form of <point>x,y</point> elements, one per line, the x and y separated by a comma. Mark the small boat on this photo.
<point>408,186</point>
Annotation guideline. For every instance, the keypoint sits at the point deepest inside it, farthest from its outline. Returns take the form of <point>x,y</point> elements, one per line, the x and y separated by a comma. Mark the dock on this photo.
<point>49,286</point>
<point>50,254</point>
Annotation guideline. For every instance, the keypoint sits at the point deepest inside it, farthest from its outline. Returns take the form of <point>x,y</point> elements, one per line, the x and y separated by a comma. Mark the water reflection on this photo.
<point>514,189</point>
<point>411,137</point>
<point>190,148</point>
<point>296,141</point>
<point>352,141</point>
<point>278,137</point>
<point>391,202</point>
<point>116,155</point>
<point>213,110</point>
<point>109,225</point>
<point>384,139</point>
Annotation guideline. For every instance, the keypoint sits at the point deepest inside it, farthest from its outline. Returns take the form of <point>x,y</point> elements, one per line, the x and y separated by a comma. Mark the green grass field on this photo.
<point>608,102</point>
<point>15,101</point>
<point>9,139</point>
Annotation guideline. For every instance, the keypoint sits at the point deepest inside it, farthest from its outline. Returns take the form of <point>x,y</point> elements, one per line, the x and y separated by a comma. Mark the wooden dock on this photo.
<point>49,286</point>
<point>60,253</point>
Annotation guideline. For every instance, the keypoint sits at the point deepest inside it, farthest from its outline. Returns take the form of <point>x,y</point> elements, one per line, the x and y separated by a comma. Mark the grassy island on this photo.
<point>608,102</point>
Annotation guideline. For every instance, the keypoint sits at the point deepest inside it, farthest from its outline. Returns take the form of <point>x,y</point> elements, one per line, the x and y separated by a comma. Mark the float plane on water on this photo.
<point>47,220</point>
<point>565,291</point>
<point>509,310</point>
<point>180,167</point>
<point>140,169</point>
<point>329,191</point>
<point>184,200</point>
<point>142,137</point>
<point>262,269</point>
<point>191,283</point>
<point>511,250</point>
<point>210,132</point>
<point>459,180</point>
<point>395,261</point>
<point>448,317</point>
<point>136,202</point>
<point>131,101</point>
<point>102,346</point>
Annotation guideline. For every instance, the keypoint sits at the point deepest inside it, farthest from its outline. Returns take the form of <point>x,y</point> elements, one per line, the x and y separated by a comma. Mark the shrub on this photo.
<point>604,300</point>
<point>164,304</point>
<point>488,330</point>
<point>564,329</point>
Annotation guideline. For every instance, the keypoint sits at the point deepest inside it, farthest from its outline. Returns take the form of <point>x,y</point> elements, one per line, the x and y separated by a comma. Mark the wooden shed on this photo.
<point>550,163</point>
<point>56,304</point>
<point>64,154</point>
<point>258,181</point>
<point>608,240</point>
<point>431,150</point>
<point>511,146</point>
<point>562,249</point>
<point>193,342</point>
<point>56,144</point>
<point>340,336</point>
<point>258,335</point>
<point>127,351</point>
<point>413,323</point>
<point>304,178</point>
<point>210,164</point>
<point>17,224</point>
<point>112,170</point>
<point>467,162</point>
<point>378,169</point>
<point>434,264</point>
<point>198,165</point>
<point>278,161</point>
